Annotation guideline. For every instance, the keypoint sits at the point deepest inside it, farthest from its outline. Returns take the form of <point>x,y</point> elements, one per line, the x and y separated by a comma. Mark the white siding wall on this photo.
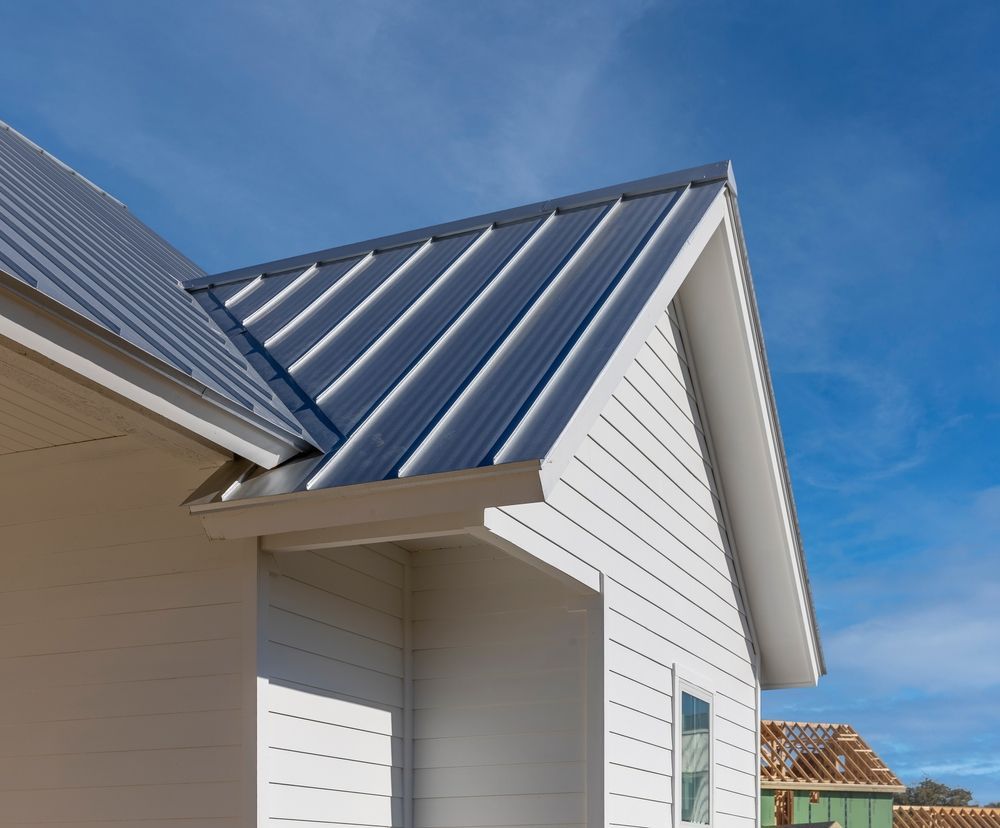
<point>121,644</point>
<point>499,662</point>
<point>639,502</point>
<point>334,658</point>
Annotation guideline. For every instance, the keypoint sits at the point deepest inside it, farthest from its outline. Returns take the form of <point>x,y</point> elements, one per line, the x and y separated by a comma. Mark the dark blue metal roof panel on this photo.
<point>393,430</point>
<point>596,339</point>
<point>462,346</point>
<point>356,392</point>
<point>315,320</point>
<point>477,426</point>
<point>78,246</point>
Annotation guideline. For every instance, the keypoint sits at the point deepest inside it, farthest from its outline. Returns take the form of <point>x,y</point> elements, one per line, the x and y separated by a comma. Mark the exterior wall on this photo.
<point>122,646</point>
<point>451,653</point>
<point>767,808</point>
<point>332,728</point>
<point>639,503</point>
<point>499,694</point>
<point>850,809</point>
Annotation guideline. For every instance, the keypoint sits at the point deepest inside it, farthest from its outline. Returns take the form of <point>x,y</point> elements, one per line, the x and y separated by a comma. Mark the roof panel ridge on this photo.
<point>506,447</point>
<point>374,348</point>
<point>61,164</point>
<point>705,174</point>
<point>439,433</point>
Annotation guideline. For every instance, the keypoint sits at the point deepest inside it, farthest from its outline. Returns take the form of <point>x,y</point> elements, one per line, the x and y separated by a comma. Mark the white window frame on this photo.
<point>687,681</point>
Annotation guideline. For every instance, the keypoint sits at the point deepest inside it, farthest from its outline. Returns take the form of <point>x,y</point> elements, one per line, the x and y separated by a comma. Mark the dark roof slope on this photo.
<point>75,244</point>
<point>453,347</point>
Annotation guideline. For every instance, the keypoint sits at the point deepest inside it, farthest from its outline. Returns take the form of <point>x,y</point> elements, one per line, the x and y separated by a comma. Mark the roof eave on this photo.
<point>56,332</point>
<point>772,405</point>
<point>397,501</point>
<point>724,335</point>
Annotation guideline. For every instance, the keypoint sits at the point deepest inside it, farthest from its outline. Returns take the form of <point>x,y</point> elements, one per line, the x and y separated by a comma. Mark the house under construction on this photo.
<point>821,773</point>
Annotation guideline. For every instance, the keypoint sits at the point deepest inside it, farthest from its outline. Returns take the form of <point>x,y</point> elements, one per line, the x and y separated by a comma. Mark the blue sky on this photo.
<point>865,143</point>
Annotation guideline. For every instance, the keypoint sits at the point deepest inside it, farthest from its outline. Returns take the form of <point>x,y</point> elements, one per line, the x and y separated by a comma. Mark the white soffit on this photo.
<point>73,341</point>
<point>725,341</point>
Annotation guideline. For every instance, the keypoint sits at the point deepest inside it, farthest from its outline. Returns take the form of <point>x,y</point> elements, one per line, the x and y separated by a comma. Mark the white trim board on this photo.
<point>690,682</point>
<point>725,339</point>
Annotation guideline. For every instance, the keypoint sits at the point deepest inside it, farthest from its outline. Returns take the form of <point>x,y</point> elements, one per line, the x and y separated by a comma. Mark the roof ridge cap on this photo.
<point>704,174</point>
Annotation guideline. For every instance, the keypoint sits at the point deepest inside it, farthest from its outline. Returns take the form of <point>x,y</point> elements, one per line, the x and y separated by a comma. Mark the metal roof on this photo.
<point>75,244</point>
<point>809,753</point>
<point>457,346</point>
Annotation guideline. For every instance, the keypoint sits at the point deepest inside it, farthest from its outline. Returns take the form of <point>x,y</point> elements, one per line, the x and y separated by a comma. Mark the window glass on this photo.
<point>695,759</point>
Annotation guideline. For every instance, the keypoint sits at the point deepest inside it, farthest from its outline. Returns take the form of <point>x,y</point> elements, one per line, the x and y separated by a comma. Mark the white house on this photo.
<point>486,524</point>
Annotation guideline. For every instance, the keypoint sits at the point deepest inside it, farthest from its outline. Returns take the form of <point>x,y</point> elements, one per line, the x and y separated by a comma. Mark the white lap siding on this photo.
<point>334,700</point>
<point>122,644</point>
<point>498,665</point>
<point>639,502</point>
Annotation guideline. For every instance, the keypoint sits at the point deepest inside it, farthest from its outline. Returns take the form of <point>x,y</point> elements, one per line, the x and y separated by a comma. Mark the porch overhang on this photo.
<point>399,507</point>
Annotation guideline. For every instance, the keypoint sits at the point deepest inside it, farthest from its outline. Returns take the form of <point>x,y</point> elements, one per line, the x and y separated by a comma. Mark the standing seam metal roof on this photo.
<point>463,345</point>
<point>72,242</point>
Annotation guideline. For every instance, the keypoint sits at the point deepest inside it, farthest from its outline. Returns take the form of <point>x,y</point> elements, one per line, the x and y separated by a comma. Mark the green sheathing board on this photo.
<point>849,808</point>
<point>882,810</point>
<point>767,808</point>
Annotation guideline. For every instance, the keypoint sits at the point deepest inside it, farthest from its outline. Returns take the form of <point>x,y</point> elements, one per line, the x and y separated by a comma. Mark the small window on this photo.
<point>694,753</point>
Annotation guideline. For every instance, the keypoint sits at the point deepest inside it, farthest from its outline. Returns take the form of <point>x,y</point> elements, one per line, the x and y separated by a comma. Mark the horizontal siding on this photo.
<point>334,704</point>
<point>498,666</point>
<point>639,503</point>
<point>122,639</point>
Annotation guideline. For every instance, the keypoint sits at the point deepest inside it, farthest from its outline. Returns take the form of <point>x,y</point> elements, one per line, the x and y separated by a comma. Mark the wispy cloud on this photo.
<point>462,103</point>
<point>912,639</point>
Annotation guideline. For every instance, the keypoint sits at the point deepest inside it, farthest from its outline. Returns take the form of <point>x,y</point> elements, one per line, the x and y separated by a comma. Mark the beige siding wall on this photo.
<point>498,664</point>
<point>332,727</point>
<point>639,502</point>
<point>122,653</point>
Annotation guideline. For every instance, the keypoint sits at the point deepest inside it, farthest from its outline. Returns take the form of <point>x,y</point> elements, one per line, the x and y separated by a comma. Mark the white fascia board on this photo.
<point>403,507</point>
<point>727,349</point>
<point>381,531</point>
<point>69,339</point>
<point>579,425</point>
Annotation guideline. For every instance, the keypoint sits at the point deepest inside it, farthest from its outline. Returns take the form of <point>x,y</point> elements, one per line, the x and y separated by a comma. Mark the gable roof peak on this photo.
<point>719,171</point>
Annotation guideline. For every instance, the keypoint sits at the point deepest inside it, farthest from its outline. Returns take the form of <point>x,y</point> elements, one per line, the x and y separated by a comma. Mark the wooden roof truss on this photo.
<point>813,755</point>
<point>941,816</point>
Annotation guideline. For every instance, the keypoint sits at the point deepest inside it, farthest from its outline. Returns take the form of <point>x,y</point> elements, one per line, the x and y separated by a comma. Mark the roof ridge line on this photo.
<point>948,807</point>
<point>61,164</point>
<point>705,174</point>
